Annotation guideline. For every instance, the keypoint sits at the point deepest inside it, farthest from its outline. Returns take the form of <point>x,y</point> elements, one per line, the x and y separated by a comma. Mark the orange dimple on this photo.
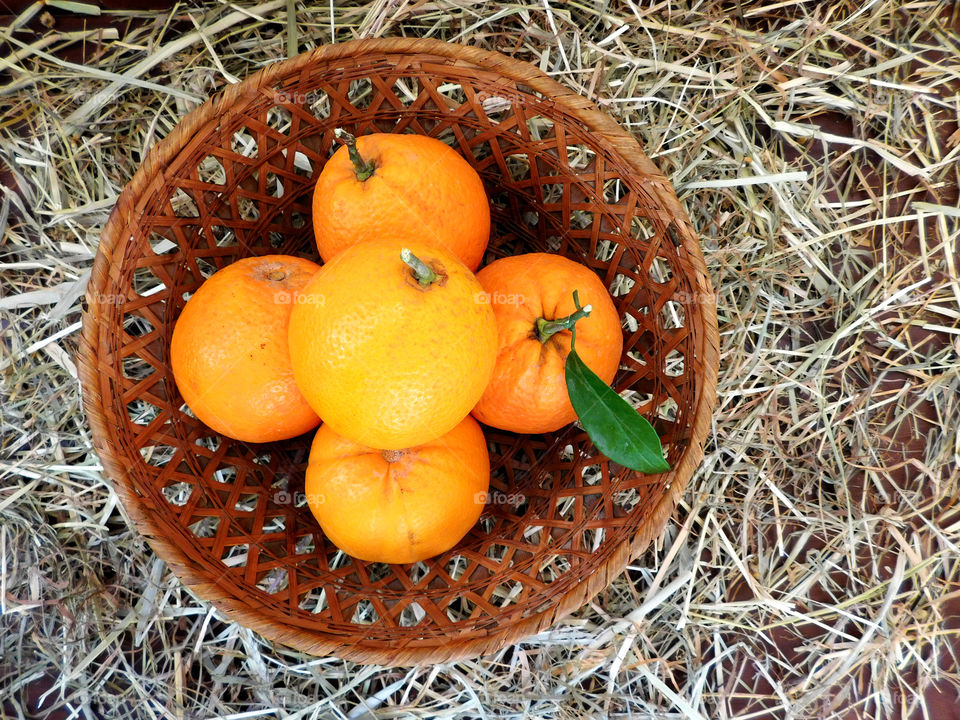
<point>421,190</point>
<point>383,361</point>
<point>229,352</point>
<point>401,511</point>
<point>527,392</point>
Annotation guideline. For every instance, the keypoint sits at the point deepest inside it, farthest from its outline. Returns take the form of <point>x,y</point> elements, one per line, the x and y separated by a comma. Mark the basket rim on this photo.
<point>314,642</point>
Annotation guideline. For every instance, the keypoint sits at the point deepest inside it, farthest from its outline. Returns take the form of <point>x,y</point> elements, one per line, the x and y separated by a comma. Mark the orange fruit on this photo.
<point>229,351</point>
<point>418,188</point>
<point>385,360</point>
<point>398,506</point>
<point>528,391</point>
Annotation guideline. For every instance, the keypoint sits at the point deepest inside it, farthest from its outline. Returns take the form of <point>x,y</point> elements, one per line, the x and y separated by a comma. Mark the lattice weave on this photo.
<point>234,179</point>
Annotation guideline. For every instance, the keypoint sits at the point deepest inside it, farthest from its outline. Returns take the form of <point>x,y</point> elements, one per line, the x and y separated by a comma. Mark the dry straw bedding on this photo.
<point>812,570</point>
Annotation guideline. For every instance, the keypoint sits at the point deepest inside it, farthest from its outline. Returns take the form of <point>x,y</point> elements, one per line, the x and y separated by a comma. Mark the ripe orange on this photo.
<point>398,506</point>
<point>407,187</point>
<point>229,352</point>
<point>385,360</point>
<point>528,391</point>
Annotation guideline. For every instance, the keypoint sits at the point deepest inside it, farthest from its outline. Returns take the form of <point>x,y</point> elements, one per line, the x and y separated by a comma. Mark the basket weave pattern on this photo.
<point>234,179</point>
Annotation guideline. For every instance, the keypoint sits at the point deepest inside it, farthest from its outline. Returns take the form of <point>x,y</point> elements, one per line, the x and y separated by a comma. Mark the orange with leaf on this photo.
<point>531,297</point>
<point>556,358</point>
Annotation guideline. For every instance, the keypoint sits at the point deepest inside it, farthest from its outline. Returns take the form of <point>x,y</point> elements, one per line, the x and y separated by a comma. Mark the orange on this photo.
<point>407,187</point>
<point>398,506</point>
<point>385,360</point>
<point>229,352</point>
<point>528,391</point>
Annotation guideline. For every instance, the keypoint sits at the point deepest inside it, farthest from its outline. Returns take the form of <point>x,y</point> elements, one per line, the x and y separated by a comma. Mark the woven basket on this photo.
<point>234,179</point>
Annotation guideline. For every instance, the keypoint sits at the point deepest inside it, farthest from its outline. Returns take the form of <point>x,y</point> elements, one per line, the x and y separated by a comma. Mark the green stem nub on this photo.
<point>421,271</point>
<point>548,328</point>
<point>361,167</point>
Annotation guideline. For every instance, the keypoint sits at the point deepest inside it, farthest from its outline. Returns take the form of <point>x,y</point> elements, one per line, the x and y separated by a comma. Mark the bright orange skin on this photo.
<point>383,361</point>
<point>229,351</point>
<point>411,509</point>
<point>421,189</point>
<point>528,391</point>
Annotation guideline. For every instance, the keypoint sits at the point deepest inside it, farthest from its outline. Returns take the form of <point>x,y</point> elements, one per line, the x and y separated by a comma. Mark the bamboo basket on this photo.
<point>234,179</point>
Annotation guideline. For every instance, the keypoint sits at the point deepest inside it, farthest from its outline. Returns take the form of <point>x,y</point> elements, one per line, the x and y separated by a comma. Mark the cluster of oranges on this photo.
<point>395,344</point>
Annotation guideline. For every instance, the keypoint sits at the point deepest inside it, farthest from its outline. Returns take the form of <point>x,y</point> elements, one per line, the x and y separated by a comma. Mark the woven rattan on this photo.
<point>234,179</point>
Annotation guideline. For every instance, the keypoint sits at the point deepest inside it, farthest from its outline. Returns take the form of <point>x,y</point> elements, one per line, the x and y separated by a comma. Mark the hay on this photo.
<point>813,570</point>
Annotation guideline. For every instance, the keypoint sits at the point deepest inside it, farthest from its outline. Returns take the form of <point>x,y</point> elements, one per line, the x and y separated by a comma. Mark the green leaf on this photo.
<point>618,431</point>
